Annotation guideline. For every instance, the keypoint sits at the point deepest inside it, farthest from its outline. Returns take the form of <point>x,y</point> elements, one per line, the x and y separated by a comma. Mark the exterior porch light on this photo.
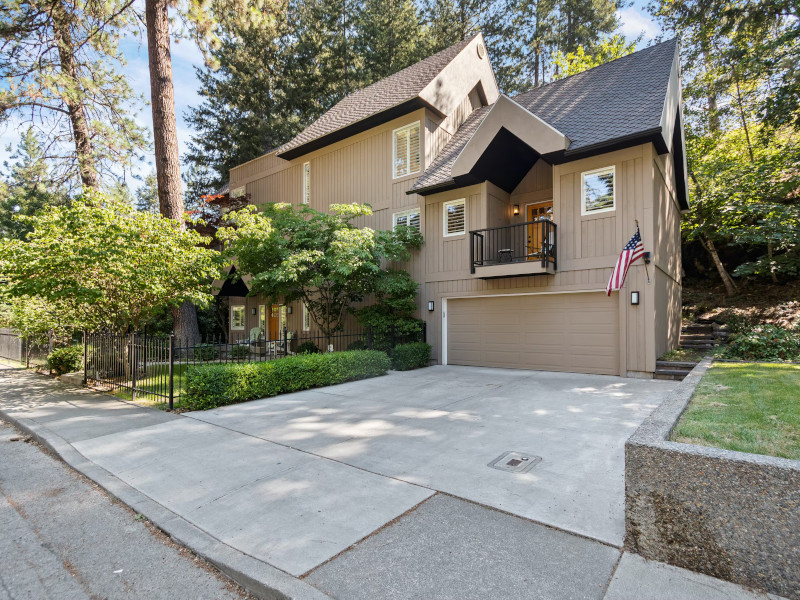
<point>430,306</point>
<point>646,258</point>
<point>288,310</point>
<point>254,312</point>
<point>635,298</point>
<point>516,210</point>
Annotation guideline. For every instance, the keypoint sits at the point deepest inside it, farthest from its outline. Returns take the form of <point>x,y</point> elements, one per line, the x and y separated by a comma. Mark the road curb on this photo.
<point>257,577</point>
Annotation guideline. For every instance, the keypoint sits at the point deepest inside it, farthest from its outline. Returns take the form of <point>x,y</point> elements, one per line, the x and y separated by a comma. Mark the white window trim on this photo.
<point>394,150</point>
<point>306,317</point>
<point>244,314</point>
<point>613,170</point>
<point>444,216</point>
<point>306,197</point>
<point>407,213</point>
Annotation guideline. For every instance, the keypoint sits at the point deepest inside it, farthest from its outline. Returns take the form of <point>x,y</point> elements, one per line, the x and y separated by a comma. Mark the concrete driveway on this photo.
<point>440,427</point>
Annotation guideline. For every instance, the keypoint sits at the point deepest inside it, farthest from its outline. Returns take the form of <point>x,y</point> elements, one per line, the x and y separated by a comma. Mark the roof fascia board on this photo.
<point>467,69</point>
<point>505,113</point>
<point>672,117</point>
<point>374,120</point>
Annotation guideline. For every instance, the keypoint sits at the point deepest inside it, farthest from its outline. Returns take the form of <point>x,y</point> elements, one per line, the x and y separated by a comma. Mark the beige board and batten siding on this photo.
<point>588,247</point>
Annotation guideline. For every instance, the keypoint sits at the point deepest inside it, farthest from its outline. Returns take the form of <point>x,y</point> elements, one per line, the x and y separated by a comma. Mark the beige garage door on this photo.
<point>554,332</point>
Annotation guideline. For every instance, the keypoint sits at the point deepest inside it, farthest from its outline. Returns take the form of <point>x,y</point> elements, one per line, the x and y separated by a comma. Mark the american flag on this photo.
<point>632,251</point>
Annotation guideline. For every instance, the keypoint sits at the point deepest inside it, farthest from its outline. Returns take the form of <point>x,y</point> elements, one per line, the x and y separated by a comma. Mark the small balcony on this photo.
<point>514,250</point>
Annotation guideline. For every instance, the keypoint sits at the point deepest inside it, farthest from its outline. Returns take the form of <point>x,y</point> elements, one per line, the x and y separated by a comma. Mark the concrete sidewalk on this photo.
<point>285,522</point>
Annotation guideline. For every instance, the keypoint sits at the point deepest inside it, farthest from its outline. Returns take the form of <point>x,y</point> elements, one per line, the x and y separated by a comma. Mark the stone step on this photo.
<point>697,336</point>
<point>698,328</point>
<point>670,375</point>
<point>675,364</point>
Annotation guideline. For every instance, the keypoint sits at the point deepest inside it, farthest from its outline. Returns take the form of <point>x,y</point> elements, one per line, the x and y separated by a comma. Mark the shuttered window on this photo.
<point>408,218</point>
<point>306,183</point>
<point>455,217</point>
<point>406,151</point>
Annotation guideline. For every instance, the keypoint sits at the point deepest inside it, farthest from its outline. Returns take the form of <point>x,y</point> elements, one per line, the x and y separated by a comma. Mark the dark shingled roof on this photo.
<point>387,93</point>
<point>619,99</point>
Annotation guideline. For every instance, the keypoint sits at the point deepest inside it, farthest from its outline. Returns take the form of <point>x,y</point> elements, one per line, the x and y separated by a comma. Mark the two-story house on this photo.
<point>524,202</point>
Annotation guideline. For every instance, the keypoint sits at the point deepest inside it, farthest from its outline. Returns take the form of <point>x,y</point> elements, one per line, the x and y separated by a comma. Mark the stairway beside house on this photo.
<point>700,335</point>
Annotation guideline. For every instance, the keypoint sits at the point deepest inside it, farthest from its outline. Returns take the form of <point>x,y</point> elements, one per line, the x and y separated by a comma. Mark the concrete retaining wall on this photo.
<point>728,514</point>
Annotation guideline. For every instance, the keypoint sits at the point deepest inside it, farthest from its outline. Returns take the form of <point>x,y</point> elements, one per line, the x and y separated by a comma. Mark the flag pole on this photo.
<point>646,270</point>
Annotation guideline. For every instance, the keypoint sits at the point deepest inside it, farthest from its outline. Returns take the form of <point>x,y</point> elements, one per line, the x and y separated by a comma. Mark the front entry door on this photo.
<point>274,324</point>
<point>537,212</point>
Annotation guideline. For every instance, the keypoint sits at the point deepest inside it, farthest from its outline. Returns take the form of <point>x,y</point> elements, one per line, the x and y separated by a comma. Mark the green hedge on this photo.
<point>65,360</point>
<point>209,386</point>
<point>764,342</point>
<point>411,356</point>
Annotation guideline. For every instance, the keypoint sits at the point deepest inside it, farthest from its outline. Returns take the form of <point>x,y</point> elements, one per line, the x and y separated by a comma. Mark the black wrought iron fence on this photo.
<point>154,366</point>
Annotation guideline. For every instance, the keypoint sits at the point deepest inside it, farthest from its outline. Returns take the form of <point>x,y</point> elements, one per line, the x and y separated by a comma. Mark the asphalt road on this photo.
<point>62,537</point>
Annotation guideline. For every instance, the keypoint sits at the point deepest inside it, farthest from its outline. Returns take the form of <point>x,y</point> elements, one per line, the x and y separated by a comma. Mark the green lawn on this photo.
<point>749,407</point>
<point>157,383</point>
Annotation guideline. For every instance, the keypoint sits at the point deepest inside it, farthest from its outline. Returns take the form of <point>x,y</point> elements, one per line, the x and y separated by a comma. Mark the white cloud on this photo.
<point>634,22</point>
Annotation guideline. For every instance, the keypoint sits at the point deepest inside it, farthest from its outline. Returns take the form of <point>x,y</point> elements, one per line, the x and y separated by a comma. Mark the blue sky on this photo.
<point>185,56</point>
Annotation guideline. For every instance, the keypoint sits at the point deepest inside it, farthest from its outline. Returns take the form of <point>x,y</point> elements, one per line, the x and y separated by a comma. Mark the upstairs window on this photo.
<point>408,218</point>
<point>598,192</point>
<point>306,183</point>
<point>455,222</point>
<point>237,318</point>
<point>406,153</point>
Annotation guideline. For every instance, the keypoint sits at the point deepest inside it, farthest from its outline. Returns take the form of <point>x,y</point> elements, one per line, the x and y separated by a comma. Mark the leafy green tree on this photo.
<point>322,259</point>
<point>608,49</point>
<point>147,195</point>
<point>389,38</point>
<point>60,62</point>
<point>27,188</point>
<point>107,265</point>
<point>36,320</point>
<point>392,313</point>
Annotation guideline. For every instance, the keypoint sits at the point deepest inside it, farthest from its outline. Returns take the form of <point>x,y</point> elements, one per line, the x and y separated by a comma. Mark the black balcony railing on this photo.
<point>533,241</point>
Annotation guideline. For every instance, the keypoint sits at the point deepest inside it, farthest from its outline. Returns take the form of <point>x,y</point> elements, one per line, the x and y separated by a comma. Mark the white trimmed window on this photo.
<point>455,222</point>
<point>406,150</point>
<point>408,218</point>
<point>598,191</point>
<point>306,319</point>
<point>306,183</point>
<point>237,318</point>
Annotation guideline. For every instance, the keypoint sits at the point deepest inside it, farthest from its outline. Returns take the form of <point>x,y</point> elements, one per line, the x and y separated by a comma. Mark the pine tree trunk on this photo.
<point>165,141</point>
<point>75,108</point>
<point>730,285</point>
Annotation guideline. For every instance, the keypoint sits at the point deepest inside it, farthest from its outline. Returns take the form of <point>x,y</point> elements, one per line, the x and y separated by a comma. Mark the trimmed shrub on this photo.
<point>307,348</point>
<point>209,386</point>
<point>240,351</point>
<point>411,356</point>
<point>764,342</point>
<point>65,360</point>
<point>357,345</point>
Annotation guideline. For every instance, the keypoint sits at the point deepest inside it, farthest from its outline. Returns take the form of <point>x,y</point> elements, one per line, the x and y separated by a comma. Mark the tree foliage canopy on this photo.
<point>322,259</point>
<point>105,264</point>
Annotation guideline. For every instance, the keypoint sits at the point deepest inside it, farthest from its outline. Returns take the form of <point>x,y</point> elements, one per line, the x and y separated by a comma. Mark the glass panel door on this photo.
<point>537,212</point>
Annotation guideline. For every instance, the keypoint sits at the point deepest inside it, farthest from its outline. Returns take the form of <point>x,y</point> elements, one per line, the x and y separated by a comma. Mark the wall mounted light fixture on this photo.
<point>430,306</point>
<point>646,258</point>
<point>289,310</point>
<point>254,312</point>
<point>516,210</point>
<point>635,298</point>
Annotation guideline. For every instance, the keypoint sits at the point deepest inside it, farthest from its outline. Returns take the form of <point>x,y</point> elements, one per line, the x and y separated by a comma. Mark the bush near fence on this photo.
<point>411,356</point>
<point>65,360</point>
<point>209,386</point>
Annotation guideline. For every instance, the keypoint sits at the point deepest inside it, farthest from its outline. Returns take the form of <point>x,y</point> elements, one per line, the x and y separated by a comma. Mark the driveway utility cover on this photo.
<point>515,462</point>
